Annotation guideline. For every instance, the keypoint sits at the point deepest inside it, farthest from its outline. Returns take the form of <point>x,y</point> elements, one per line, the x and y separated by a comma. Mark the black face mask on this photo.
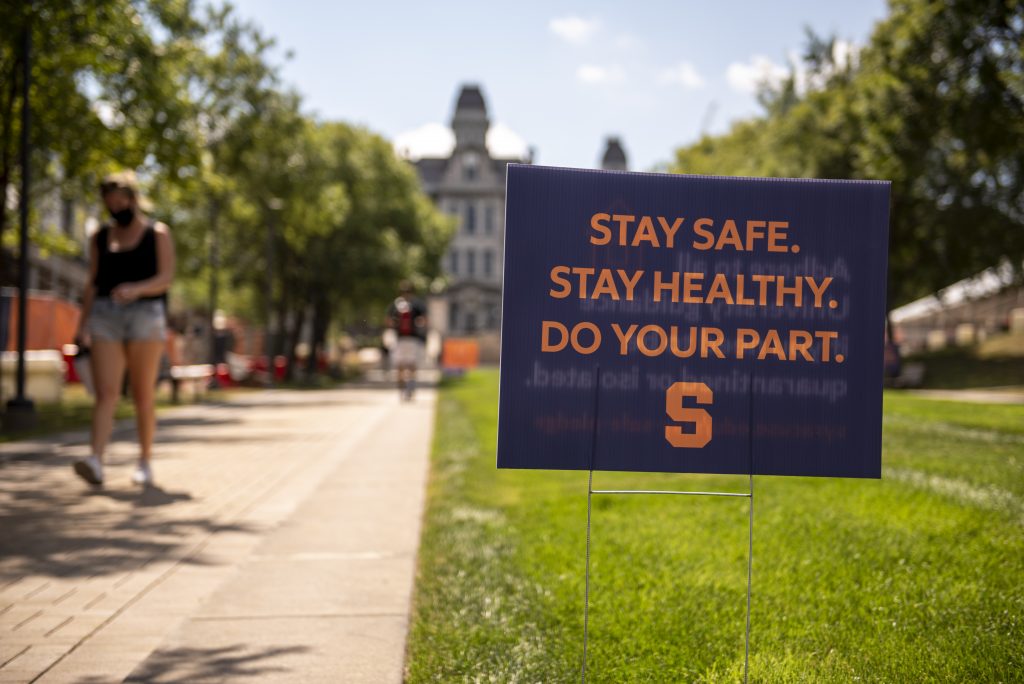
<point>124,217</point>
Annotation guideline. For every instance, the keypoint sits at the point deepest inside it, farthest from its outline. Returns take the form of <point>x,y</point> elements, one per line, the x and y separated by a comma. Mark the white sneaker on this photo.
<point>90,469</point>
<point>143,474</point>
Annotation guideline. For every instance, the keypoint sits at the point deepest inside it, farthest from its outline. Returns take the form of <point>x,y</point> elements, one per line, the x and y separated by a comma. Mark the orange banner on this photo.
<point>460,353</point>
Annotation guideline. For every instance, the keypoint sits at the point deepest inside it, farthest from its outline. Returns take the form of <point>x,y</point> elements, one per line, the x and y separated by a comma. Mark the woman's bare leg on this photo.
<point>107,359</point>
<point>143,366</point>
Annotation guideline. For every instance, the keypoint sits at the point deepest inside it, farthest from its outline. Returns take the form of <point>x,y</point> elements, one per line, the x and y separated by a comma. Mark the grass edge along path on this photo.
<point>914,578</point>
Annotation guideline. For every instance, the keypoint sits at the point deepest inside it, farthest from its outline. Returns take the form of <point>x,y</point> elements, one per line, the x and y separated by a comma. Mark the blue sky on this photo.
<point>557,76</point>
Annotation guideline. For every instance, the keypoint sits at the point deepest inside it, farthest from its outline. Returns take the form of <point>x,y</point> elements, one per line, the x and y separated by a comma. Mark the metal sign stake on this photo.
<point>750,523</point>
<point>590,496</point>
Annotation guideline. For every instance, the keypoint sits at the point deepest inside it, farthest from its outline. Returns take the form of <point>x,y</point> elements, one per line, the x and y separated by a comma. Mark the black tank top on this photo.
<point>128,266</point>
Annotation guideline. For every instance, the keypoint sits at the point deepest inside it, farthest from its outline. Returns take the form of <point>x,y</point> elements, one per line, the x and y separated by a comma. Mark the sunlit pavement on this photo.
<point>279,543</point>
<point>995,395</point>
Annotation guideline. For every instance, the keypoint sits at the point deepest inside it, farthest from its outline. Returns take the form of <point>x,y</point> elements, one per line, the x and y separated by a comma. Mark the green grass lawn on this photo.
<point>918,577</point>
<point>74,411</point>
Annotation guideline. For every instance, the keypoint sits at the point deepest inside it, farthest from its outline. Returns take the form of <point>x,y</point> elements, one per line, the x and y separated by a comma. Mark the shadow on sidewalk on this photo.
<point>53,525</point>
<point>152,495</point>
<point>62,531</point>
<point>210,664</point>
<point>40,448</point>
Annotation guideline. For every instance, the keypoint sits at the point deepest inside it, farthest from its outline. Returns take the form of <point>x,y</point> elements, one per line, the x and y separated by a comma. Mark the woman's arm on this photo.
<point>161,282</point>
<point>89,292</point>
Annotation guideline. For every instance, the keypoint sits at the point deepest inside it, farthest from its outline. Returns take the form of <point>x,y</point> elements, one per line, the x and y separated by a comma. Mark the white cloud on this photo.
<point>748,77</point>
<point>596,75</point>
<point>684,74</point>
<point>437,140</point>
<point>503,142</point>
<point>429,140</point>
<point>572,29</point>
<point>845,53</point>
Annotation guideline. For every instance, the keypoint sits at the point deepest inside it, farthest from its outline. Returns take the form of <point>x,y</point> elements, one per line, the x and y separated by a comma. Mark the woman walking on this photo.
<point>131,266</point>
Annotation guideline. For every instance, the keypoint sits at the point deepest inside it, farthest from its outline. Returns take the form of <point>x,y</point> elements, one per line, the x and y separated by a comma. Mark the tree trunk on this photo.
<point>282,320</point>
<point>293,340</point>
<point>321,321</point>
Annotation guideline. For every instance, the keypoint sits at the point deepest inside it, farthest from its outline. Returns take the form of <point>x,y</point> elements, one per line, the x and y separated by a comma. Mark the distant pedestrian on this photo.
<point>124,319</point>
<point>407,317</point>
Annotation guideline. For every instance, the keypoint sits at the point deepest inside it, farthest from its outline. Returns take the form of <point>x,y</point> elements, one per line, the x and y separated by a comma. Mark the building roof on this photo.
<point>989,282</point>
<point>431,169</point>
<point>500,167</point>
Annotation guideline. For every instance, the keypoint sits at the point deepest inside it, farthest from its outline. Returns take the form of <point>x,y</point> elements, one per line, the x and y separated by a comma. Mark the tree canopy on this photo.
<point>934,103</point>
<point>191,98</point>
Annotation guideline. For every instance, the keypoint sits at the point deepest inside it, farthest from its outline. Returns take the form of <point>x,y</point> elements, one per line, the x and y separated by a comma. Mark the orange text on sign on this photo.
<point>674,397</point>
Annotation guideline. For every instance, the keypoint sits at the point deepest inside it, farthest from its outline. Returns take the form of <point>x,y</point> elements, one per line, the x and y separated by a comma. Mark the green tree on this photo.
<point>104,91</point>
<point>229,84</point>
<point>346,220</point>
<point>352,221</point>
<point>315,221</point>
<point>934,103</point>
<point>940,98</point>
<point>391,231</point>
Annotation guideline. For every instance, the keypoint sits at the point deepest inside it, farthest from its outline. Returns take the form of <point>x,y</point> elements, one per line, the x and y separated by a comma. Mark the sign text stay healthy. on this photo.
<point>760,290</point>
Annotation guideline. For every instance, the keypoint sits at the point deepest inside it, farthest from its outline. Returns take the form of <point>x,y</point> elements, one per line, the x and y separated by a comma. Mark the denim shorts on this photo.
<point>140,320</point>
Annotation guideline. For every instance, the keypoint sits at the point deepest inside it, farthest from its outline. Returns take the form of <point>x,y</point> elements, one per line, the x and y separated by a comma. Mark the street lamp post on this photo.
<point>20,409</point>
<point>274,204</point>
<point>214,257</point>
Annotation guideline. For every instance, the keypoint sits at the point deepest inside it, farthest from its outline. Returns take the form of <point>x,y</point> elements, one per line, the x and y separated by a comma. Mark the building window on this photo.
<point>470,262</point>
<point>453,315</point>
<point>470,322</point>
<point>453,262</point>
<point>470,218</point>
<point>470,166</point>
<point>489,219</point>
<point>488,263</point>
<point>44,279</point>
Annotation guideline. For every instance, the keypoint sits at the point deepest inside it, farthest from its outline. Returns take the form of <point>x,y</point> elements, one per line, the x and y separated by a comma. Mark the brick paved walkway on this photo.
<point>279,544</point>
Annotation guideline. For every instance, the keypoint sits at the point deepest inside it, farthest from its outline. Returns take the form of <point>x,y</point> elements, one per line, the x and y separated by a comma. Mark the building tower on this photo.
<point>614,158</point>
<point>469,185</point>
<point>470,122</point>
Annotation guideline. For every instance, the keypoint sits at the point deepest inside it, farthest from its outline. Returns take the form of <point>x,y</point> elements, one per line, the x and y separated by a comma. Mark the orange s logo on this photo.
<point>677,412</point>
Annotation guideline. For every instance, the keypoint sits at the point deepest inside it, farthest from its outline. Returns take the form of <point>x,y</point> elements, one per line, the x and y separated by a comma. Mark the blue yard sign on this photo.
<point>692,324</point>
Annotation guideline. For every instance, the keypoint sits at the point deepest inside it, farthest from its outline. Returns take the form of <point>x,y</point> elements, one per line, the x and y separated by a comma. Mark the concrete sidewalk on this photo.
<point>993,395</point>
<point>279,545</point>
